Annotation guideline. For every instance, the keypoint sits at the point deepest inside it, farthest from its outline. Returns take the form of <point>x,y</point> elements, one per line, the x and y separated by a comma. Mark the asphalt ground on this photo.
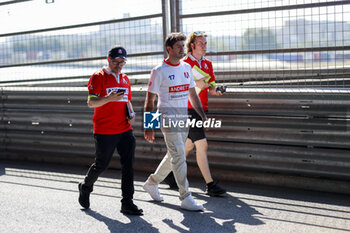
<point>36,197</point>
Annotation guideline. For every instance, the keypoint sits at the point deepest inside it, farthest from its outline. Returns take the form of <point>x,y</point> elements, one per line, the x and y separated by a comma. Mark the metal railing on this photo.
<point>300,135</point>
<point>280,116</point>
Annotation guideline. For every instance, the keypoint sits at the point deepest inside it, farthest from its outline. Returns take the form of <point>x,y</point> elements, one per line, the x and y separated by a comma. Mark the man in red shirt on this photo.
<point>204,77</point>
<point>110,95</point>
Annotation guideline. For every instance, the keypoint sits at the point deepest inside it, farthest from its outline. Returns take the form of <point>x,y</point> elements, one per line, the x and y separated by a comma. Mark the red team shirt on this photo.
<point>207,67</point>
<point>110,118</point>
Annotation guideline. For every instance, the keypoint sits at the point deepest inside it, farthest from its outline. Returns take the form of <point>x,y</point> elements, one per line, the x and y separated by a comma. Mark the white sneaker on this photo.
<point>189,204</point>
<point>153,191</point>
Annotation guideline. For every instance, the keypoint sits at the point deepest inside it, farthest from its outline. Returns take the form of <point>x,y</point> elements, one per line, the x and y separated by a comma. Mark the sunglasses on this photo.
<point>118,62</point>
<point>197,34</point>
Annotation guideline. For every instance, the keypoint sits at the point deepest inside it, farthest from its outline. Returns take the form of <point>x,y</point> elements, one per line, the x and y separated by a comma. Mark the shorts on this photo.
<point>195,133</point>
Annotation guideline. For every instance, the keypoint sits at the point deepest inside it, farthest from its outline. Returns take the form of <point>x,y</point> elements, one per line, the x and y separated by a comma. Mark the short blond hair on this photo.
<point>192,37</point>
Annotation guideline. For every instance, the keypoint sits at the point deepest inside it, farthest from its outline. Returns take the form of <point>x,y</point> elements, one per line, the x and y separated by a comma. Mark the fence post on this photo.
<point>166,22</point>
<point>171,19</point>
<point>173,15</point>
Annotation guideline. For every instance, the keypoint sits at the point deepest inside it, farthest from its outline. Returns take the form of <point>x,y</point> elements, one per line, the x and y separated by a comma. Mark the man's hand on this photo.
<point>202,84</point>
<point>215,92</point>
<point>149,135</point>
<point>132,120</point>
<point>114,96</point>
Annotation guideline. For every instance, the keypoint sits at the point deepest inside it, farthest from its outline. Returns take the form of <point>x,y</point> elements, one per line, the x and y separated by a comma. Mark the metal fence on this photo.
<point>274,43</point>
<point>304,43</point>
<point>68,55</point>
<point>286,65</point>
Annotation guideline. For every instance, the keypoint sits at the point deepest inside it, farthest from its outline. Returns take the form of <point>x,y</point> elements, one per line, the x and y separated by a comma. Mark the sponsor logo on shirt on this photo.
<point>179,88</point>
<point>205,66</point>
<point>186,75</point>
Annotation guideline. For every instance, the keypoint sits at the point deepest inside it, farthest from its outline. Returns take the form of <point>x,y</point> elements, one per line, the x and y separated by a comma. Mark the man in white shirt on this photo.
<point>173,83</point>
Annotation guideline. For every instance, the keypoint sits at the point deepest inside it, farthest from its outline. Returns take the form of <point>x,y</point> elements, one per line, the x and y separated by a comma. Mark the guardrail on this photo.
<point>302,134</point>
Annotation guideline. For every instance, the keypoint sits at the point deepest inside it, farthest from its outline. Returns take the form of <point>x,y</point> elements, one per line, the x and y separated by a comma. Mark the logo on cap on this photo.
<point>117,52</point>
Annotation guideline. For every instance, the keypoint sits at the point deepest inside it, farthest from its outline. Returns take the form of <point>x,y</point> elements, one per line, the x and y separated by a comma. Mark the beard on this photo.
<point>180,55</point>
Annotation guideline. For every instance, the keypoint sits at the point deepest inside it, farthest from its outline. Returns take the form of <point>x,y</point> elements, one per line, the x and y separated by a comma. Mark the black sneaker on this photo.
<point>131,209</point>
<point>170,180</point>
<point>84,195</point>
<point>214,190</point>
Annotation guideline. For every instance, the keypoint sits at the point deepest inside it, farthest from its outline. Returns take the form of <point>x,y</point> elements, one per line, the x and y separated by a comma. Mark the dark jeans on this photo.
<point>105,146</point>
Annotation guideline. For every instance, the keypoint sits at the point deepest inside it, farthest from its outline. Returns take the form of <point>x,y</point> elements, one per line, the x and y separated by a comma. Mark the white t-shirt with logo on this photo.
<point>171,83</point>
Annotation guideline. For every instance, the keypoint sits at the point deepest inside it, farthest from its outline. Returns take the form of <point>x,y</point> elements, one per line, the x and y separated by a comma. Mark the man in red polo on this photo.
<point>110,95</point>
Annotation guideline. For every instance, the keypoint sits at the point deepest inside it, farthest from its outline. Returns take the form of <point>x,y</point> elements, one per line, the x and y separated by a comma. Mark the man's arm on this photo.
<point>149,107</point>
<point>196,103</point>
<point>95,101</point>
